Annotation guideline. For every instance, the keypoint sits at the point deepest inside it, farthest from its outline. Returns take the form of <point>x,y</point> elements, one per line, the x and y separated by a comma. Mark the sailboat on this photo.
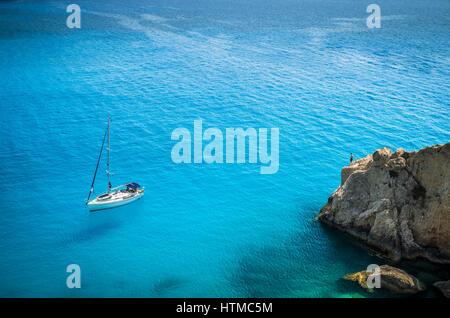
<point>117,196</point>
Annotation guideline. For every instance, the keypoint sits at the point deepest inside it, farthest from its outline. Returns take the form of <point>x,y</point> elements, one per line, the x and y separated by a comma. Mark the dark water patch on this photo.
<point>424,270</point>
<point>427,272</point>
<point>301,266</point>
<point>290,270</point>
<point>309,263</point>
<point>89,233</point>
<point>23,23</point>
<point>166,286</point>
<point>258,276</point>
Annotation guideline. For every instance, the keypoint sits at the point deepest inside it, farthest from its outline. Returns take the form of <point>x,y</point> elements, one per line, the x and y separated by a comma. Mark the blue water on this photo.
<point>311,68</point>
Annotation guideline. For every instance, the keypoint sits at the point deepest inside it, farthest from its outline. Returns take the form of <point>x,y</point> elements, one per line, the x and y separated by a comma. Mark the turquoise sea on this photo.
<point>310,68</point>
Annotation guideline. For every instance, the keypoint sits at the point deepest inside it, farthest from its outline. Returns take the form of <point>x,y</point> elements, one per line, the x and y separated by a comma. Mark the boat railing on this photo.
<point>119,186</point>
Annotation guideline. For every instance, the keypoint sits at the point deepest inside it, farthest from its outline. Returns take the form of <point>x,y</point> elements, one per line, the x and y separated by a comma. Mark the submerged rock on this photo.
<point>391,278</point>
<point>444,287</point>
<point>397,204</point>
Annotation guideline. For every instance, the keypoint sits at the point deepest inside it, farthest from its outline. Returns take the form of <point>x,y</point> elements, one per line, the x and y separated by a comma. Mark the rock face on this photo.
<point>444,287</point>
<point>391,278</point>
<point>398,204</point>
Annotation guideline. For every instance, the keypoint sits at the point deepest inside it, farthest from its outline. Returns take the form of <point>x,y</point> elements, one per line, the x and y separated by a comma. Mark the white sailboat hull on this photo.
<point>114,200</point>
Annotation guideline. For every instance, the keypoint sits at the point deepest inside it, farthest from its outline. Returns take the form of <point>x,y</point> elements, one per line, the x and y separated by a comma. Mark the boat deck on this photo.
<point>116,198</point>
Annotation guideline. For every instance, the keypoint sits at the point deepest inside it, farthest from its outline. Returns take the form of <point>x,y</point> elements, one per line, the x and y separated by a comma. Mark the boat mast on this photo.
<point>107,167</point>
<point>96,168</point>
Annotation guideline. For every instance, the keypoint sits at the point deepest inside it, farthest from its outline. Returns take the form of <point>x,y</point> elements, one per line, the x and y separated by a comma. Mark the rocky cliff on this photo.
<point>398,204</point>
